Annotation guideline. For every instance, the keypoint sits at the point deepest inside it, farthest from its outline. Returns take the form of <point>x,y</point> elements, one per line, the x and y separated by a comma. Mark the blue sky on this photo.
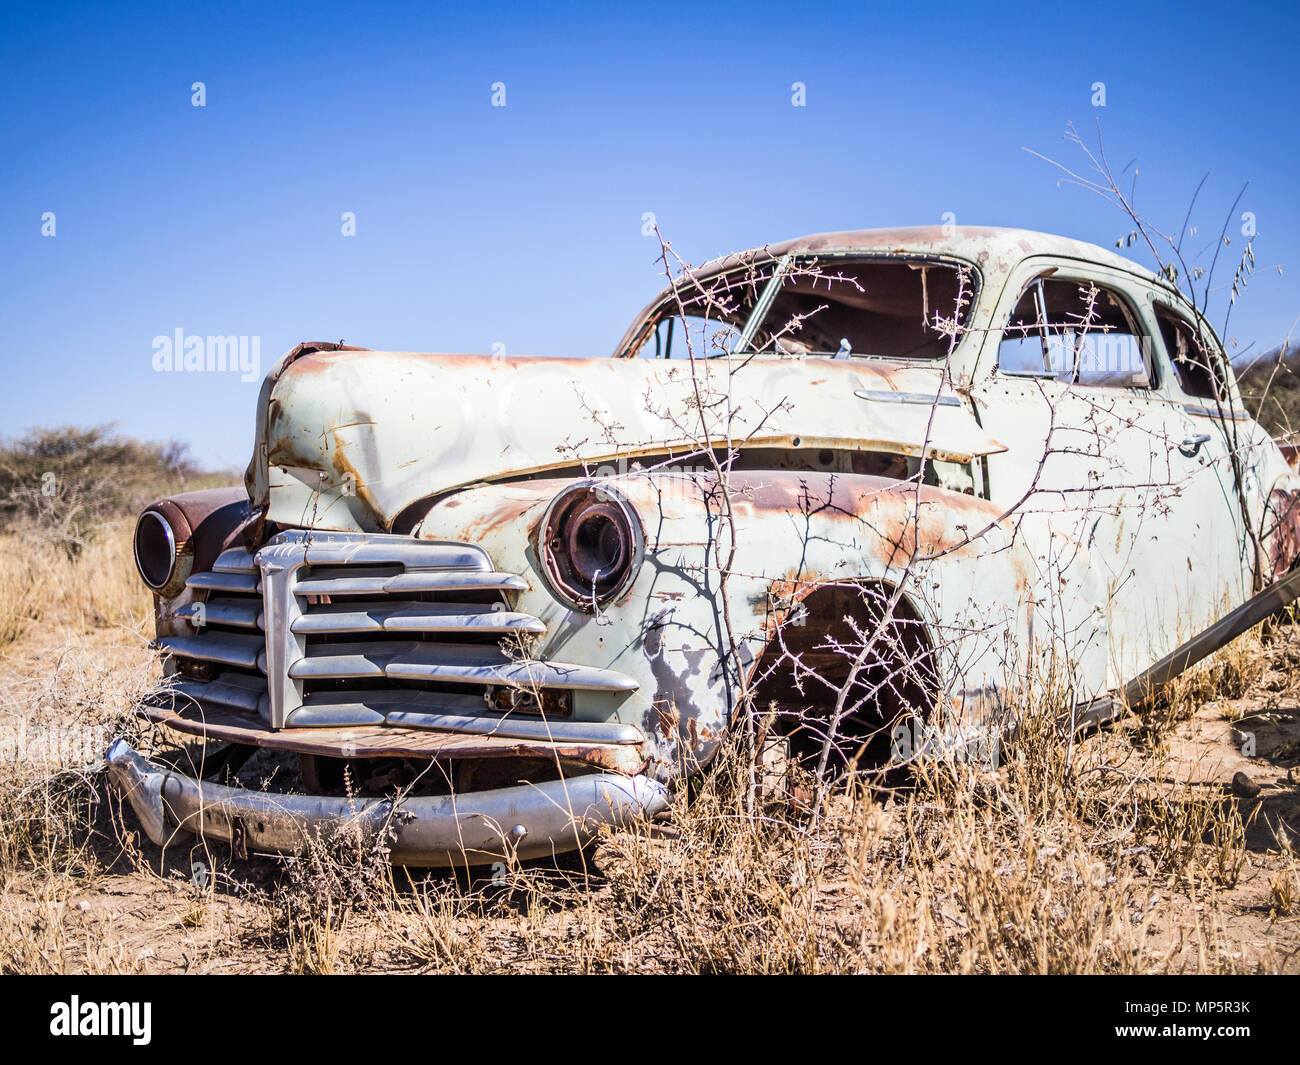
<point>479,225</point>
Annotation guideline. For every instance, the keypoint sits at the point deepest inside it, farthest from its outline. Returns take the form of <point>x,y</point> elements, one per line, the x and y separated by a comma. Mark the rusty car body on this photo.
<point>499,579</point>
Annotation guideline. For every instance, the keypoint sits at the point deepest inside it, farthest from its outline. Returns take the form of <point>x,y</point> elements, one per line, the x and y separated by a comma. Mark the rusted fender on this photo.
<point>988,587</point>
<point>204,524</point>
<point>1280,527</point>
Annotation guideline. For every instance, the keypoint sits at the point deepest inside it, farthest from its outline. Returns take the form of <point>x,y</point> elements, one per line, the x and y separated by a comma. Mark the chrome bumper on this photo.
<point>528,821</point>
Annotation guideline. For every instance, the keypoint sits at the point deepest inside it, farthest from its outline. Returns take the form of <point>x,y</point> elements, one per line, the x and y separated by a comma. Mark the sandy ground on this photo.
<point>132,908</point>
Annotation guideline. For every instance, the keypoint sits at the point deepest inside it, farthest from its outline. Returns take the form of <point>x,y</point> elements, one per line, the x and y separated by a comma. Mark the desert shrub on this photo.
<point>1270,388</point>
<point>341,873</point>
<point>63,484</point>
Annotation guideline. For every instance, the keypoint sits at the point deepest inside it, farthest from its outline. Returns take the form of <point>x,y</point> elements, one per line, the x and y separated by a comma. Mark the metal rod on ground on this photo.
<point>1254,610</point>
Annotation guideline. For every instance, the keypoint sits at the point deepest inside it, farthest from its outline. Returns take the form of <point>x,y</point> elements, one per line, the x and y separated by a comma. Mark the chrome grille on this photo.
<point>335,628</point>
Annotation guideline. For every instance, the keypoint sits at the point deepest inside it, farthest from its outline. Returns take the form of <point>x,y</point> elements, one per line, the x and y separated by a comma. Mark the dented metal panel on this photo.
<point>801,531</point>
<point>349,446</point>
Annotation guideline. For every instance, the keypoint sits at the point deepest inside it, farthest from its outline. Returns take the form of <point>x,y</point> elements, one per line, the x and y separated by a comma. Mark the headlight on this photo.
<point>155,550</point>
<point>591,545</point>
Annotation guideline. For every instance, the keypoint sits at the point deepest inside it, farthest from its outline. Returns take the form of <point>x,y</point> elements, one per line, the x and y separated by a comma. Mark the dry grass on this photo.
<point>1226,675</point>
<point>1094,856</point>
<point>42,587</point>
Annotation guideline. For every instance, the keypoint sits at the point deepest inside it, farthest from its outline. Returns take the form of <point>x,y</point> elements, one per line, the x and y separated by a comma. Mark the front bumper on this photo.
<point>527,821</point>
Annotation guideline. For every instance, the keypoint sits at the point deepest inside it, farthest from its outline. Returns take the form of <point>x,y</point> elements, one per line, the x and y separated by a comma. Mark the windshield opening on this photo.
<point>889,309</point>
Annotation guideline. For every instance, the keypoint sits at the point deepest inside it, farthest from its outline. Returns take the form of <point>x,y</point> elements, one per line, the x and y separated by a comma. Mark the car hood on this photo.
<point>349,438</point>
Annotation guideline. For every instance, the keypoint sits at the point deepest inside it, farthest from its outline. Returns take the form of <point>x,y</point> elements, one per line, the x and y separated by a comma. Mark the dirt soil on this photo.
<point>124,906</point>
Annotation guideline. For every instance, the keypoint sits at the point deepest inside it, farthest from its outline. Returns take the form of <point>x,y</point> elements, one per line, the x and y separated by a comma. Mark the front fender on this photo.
<point>987,590</point>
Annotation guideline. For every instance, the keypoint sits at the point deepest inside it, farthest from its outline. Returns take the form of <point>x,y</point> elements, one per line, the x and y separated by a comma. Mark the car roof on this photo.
<point>976,243</point>
<point>993,248</point>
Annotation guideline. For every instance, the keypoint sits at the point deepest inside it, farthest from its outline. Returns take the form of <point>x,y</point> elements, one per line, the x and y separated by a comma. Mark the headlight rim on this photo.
<point>164,586</point>
<point>560,512</point>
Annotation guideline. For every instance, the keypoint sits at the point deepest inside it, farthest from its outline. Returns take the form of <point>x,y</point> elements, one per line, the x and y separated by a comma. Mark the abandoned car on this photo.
<point>820,488</point>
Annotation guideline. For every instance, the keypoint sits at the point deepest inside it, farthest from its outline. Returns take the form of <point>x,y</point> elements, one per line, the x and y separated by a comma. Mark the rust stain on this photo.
<point>383,741</point>
<point>1283,533</point>
<point>909,520</point>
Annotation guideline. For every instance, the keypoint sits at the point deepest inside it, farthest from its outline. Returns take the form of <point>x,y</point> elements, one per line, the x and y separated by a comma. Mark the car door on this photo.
<point>1216,428</point>
<point>1074,383</point>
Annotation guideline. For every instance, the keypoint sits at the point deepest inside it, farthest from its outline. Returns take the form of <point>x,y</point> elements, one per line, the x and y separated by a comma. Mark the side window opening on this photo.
<point>1194,364</point>
<point>709,319</point>
<point>675,337</point>
<point>1081,333</point>
<point>1021,350</point>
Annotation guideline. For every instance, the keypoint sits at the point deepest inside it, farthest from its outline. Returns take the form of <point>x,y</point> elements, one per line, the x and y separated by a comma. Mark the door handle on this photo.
<point>1193,444</point>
